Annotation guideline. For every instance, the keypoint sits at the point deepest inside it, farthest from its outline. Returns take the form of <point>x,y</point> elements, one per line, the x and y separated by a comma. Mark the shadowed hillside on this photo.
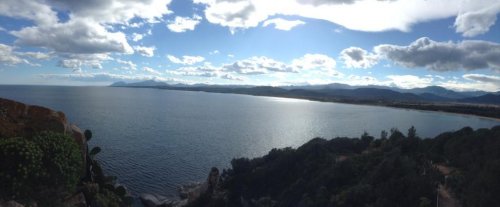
<point>393,170</point>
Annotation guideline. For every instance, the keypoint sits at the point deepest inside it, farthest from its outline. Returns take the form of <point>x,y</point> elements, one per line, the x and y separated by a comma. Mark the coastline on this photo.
<point>398,105</point>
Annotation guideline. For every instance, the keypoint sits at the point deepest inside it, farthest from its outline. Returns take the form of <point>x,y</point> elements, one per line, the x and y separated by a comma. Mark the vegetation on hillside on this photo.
<point>393,170</point>
<point>44,168</point>
<point>47,169</point>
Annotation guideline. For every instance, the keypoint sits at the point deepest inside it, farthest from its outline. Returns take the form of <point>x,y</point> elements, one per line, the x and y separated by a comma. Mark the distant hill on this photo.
<point>438,91</point>
<point>488,99</point>
<point>147,83</point>
<point>336,92</point>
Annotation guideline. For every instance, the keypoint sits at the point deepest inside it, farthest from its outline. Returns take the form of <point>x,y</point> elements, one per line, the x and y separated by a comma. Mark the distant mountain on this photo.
<point>336,91</point>
<point>372,94</point>
<point>438,91</point>
<point>147,83</point>
<point>434,97</point>
<point>487,99</point>
<point>118,84</point>
<point>320,87</point>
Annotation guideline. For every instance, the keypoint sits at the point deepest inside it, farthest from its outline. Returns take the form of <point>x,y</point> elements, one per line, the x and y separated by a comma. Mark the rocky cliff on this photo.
<point>22,120</point>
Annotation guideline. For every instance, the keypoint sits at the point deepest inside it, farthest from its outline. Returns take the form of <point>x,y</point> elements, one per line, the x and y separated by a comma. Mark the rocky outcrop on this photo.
<point>22,120</point>
<point>188,193</point>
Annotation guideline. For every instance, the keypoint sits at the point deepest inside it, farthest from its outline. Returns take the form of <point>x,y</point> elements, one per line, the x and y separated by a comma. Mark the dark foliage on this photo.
<point>395,171</point>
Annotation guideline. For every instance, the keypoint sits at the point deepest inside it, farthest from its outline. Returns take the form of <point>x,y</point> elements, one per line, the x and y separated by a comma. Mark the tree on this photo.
<point>412,132</point>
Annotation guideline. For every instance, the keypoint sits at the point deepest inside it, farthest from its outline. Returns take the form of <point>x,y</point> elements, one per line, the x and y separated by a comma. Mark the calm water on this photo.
<point>154,140</point>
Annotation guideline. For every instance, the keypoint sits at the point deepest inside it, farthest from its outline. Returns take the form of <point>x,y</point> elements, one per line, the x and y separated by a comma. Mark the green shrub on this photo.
<point>20,167</point>
<point>62,159</point>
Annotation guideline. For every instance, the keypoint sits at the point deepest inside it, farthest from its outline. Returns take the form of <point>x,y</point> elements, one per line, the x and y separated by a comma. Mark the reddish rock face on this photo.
<point>21,120</point>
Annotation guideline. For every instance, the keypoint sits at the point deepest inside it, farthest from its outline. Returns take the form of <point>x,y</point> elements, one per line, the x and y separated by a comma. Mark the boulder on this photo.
<point>152,200</point>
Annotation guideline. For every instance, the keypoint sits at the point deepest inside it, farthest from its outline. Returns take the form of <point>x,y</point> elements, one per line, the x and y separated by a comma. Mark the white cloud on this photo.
<point>476,22</point>
<point>315,61</point>
<point>183,24</point>
<point>444,56</point>
<point>231,77</point>
<point>207,71</point>
<point>257,65</point>
<point>70,63</point>
<point>73,37</point>
<point>362,80</point>
<point>35,10</point>
<point>7,56</point>
<point>355,57</point>
<point>145,51</point>
<point>214,52</point>
<point>108,77</point>
<point>115,11</point>
<point>410,81</point>
<point>89,30</point>
<point>282,24</point>
<point>38,55</point>
<point>77,61</point>
<point>136,37</point>
<point>483,78</point>
<point>151,70</point>
<point>362,15</point>
<point>186,59</point>
<point>474,82</point>
<point>129,65</point>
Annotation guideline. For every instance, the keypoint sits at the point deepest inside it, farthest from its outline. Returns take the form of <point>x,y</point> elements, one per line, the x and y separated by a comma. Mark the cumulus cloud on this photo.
<point>355,57</point>
<point>7,56</point>
<point>444,56</point>
<point>186,59</point>
<point>183,24</point>
<point>207,71</point>
<point>476,22</point>
<point>315,61</point>
<point>35,10</point>
<point>283,24</point>
<point>145,51</point>
<point>77,61</point>
<point>74,37</point>
<point>151,70</point>
<point>362,15</point>
<point>115,11</point>
<point>257,65</point>
<point>90,28</point>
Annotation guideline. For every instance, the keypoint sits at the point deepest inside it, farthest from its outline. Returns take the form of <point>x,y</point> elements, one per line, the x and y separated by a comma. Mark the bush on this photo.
<point>20,167</point>
<point>62,159</point>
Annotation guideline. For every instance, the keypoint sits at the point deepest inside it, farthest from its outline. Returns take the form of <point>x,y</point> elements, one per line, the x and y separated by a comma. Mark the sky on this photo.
<point>400,43</point>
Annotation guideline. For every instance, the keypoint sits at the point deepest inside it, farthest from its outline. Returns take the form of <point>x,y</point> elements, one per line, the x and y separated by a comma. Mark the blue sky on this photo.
<point>403,43</point>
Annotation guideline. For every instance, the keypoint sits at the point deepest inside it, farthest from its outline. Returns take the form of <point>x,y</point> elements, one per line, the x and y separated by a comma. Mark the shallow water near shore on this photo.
<point>155,140</point>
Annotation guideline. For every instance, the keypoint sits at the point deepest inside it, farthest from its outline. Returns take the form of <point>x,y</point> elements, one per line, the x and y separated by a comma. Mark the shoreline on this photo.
<point>409,106</point>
